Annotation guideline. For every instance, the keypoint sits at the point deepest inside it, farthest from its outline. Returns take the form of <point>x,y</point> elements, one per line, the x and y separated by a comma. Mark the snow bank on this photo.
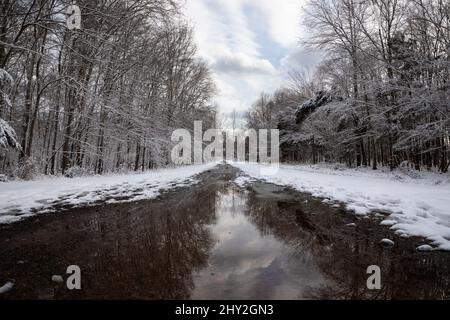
<point>417,207</point>
<point>19,200</point>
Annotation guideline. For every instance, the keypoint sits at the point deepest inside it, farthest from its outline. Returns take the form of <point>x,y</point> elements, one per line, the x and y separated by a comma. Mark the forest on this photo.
<point>106,97</point>
<point>326,177</point>
<point>380,97</point>
<point>102,98</point>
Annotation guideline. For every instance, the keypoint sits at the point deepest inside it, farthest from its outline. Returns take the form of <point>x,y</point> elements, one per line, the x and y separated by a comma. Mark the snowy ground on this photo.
<point>19,200</point>
<point>418,203</point>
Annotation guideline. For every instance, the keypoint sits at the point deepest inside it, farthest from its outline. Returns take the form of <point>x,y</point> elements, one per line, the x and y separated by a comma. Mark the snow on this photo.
<point>387,243</point>
<point>425,248</point>
<point>5,81</point>
<point>57,279</point>
<point>417,205</point>
<point>5,78</point>
<point>19,200</point>
<point>6,287</point>
<point>242,181</point>
<point>8,136</point>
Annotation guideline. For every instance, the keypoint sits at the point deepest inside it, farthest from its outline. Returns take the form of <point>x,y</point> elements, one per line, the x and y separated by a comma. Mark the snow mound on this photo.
<point>425,248</point>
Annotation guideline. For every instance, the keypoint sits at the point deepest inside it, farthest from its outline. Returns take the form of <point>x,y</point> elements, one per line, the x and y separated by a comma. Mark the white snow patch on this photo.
<point>6,287</point>
<point>425,248</point>
<point>418,207</point>
<point>19,200</point>
<point>8,137</point>
<point>387,243</point>
<point>388,222</point>
<point>57,279</point>
<point>242,181</point>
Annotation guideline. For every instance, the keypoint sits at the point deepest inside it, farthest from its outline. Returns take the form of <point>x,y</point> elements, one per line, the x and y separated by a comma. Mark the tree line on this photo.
<point>101,98</point>
<point>381,96</point>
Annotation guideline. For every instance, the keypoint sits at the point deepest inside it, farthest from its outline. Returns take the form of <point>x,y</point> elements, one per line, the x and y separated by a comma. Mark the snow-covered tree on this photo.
<point>386,78</point>
<point>103,98</point>
<point>8,138</point>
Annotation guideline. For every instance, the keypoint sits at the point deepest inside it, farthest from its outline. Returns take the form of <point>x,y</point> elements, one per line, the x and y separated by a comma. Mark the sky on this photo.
<point>250,46</point>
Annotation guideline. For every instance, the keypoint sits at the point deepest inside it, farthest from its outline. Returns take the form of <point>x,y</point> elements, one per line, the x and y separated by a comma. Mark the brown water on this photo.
<point>216,241</point>
<point>248,260</point>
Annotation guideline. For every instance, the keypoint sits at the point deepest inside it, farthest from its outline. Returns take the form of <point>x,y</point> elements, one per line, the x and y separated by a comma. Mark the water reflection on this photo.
<point>248,261</point>
<point>216,241</point>
<point>136,251</point>
<point>320,234</point>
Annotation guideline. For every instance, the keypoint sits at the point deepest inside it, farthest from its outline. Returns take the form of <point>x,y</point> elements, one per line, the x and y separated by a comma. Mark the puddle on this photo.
<point>215,240</point>
<point>250,261</point>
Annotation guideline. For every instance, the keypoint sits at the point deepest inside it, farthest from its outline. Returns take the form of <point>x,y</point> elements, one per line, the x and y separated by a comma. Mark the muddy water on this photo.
<point>248,260</point>
<point>216,241</point>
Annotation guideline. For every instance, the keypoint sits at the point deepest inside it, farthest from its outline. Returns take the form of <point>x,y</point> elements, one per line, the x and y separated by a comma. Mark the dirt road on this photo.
<point>216,240</point>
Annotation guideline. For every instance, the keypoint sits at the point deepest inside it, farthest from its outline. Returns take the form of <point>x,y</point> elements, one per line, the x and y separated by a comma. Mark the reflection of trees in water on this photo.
<point>153,254</point>
<point>231,201</point>
<point>144,250</point>
<point>343,253</point>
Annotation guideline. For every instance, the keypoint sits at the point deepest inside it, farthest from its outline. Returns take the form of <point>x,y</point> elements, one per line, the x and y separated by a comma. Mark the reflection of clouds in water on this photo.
<point>247,264</point>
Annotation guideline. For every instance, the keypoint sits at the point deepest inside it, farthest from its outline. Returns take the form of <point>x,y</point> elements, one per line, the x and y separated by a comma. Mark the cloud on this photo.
<point>248,45</point>
<point>244,64</point>
<point>302,59</point>
<point>283,19</point>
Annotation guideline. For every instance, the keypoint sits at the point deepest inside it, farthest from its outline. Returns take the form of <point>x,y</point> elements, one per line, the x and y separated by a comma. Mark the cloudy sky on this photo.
<point>250,45</point>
